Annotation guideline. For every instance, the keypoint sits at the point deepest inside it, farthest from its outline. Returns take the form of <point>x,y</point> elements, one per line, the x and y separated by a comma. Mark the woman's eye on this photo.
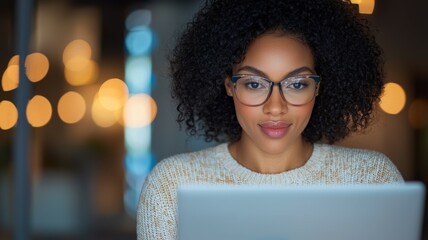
<point>297,85</point>
<point>253,85</point>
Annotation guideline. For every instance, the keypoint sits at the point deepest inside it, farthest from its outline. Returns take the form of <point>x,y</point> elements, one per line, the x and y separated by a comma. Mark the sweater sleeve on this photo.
<point>155,213</point>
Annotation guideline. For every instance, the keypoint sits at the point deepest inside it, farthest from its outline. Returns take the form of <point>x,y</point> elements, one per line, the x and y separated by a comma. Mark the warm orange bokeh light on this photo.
<point>10,78</point>
<point>365,6</point>
<point>418,113</point>
<point>39,111</point>
<point>103,117</point>
<point>14,60</point>
<point>36,66</point>
<point>71,107</point>
<point>8,115</point>
<point>88,74</point>
<point>140,110</point>
<point>77,64</point>
<point>113,94</point>
<point>393,99</point>
<point>76,49</point>
<point>79,68</point>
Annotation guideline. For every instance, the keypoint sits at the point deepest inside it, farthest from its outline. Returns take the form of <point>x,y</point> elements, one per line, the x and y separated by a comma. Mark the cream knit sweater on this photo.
<point>329,164</point>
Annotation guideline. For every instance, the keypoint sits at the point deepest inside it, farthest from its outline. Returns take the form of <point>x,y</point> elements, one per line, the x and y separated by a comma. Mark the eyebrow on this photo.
<point>262,74</point>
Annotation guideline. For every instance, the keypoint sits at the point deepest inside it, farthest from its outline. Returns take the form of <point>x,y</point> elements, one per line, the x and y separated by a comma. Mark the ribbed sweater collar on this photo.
<point>314,164</point>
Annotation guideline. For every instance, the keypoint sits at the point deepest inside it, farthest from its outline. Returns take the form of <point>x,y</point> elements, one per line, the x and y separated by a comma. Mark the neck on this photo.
<point>257,160</point>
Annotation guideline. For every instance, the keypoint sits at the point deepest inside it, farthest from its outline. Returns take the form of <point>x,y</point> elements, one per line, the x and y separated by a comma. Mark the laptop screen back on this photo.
<point>381,212</point>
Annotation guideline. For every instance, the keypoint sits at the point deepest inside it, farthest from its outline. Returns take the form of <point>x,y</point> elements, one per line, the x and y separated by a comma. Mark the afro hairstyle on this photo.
<point>346,56</point>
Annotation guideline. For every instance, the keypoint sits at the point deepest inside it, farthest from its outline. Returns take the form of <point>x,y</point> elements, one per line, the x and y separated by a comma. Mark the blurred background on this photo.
<point>101,115</point>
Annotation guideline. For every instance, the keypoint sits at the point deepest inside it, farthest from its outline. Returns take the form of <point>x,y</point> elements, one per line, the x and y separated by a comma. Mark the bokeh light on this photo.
<point>102,116</point>
<point>137,140</point>
<point>366,6</point>
<point>113,94</point>
<point>39,111</point>
<point>393,99</point>
<point>138,74</point>
<point>79,68</point>
<point>10,78</point>
<point>77,64</point>
<point>139,41</point>
<point>140,110</point>
<point>8,115</point>
<point>139,165</point>
<point>138,19</point>
<point>71,107</point>
<point>14,60</point>
<point>79,49</point>
<point>36,66</point>
<point>86,75</point>
<point>418,113</point>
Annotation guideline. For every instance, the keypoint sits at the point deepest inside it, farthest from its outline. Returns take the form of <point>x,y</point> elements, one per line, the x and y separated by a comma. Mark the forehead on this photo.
<point>277,54</point>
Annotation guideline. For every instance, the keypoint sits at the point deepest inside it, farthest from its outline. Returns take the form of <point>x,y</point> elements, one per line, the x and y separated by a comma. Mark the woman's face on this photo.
<point>275,125</point>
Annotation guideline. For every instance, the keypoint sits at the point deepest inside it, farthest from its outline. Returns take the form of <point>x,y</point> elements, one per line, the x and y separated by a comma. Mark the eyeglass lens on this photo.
<point>253,90</point>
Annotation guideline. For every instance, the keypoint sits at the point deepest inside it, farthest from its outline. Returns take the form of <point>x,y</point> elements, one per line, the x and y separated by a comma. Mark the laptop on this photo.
<point>345,212</point>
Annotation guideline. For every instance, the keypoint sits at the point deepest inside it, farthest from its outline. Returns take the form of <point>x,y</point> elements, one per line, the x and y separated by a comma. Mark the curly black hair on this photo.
<point>346,56</point>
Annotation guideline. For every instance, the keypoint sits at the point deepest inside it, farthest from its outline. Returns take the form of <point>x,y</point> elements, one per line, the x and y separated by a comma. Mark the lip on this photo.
<point>274,129</point>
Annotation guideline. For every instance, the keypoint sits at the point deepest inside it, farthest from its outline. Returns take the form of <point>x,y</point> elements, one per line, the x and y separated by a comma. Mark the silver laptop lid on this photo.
<point>381,212</point>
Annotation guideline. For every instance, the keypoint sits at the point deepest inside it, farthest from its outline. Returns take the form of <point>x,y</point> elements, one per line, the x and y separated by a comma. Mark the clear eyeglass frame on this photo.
<point>287,81</point>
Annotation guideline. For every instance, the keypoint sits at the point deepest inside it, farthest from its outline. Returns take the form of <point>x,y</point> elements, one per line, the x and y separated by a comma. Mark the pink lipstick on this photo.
<point>274,129</point>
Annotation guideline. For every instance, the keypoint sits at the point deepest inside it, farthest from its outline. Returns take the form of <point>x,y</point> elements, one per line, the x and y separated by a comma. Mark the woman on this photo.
<point>271,80</point>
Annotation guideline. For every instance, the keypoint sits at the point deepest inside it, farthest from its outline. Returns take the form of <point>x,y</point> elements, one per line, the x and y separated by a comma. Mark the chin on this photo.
<point>274,147</point>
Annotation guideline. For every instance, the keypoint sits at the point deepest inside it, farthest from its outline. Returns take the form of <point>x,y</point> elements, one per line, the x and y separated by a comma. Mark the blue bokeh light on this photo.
<point>130,199</point>
<point>139,165</point>
<point>138,74</point>
<point>137,140</point>
<point>138,19</point>
<point>139,42</point>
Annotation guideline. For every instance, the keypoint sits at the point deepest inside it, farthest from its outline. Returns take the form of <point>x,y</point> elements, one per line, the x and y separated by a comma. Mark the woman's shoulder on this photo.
<point>188,162</point>
<point>203,155</point>
<point>366,161</point>
<point>344,153</point>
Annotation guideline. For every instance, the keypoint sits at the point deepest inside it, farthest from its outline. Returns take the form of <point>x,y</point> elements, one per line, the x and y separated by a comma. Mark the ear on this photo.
<point>229,86</point>
<point>318,89</point>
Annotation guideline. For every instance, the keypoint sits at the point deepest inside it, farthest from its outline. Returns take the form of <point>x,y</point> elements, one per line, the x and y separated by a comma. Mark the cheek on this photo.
<point>245,114</point>
<point>303,114</point>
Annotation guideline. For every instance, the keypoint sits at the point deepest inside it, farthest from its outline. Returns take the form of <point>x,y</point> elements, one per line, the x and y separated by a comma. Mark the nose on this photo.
<point>275,105</point>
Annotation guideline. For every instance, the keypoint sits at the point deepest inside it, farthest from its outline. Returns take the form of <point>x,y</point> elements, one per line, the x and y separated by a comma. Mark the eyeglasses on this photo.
<point>254,90</point>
